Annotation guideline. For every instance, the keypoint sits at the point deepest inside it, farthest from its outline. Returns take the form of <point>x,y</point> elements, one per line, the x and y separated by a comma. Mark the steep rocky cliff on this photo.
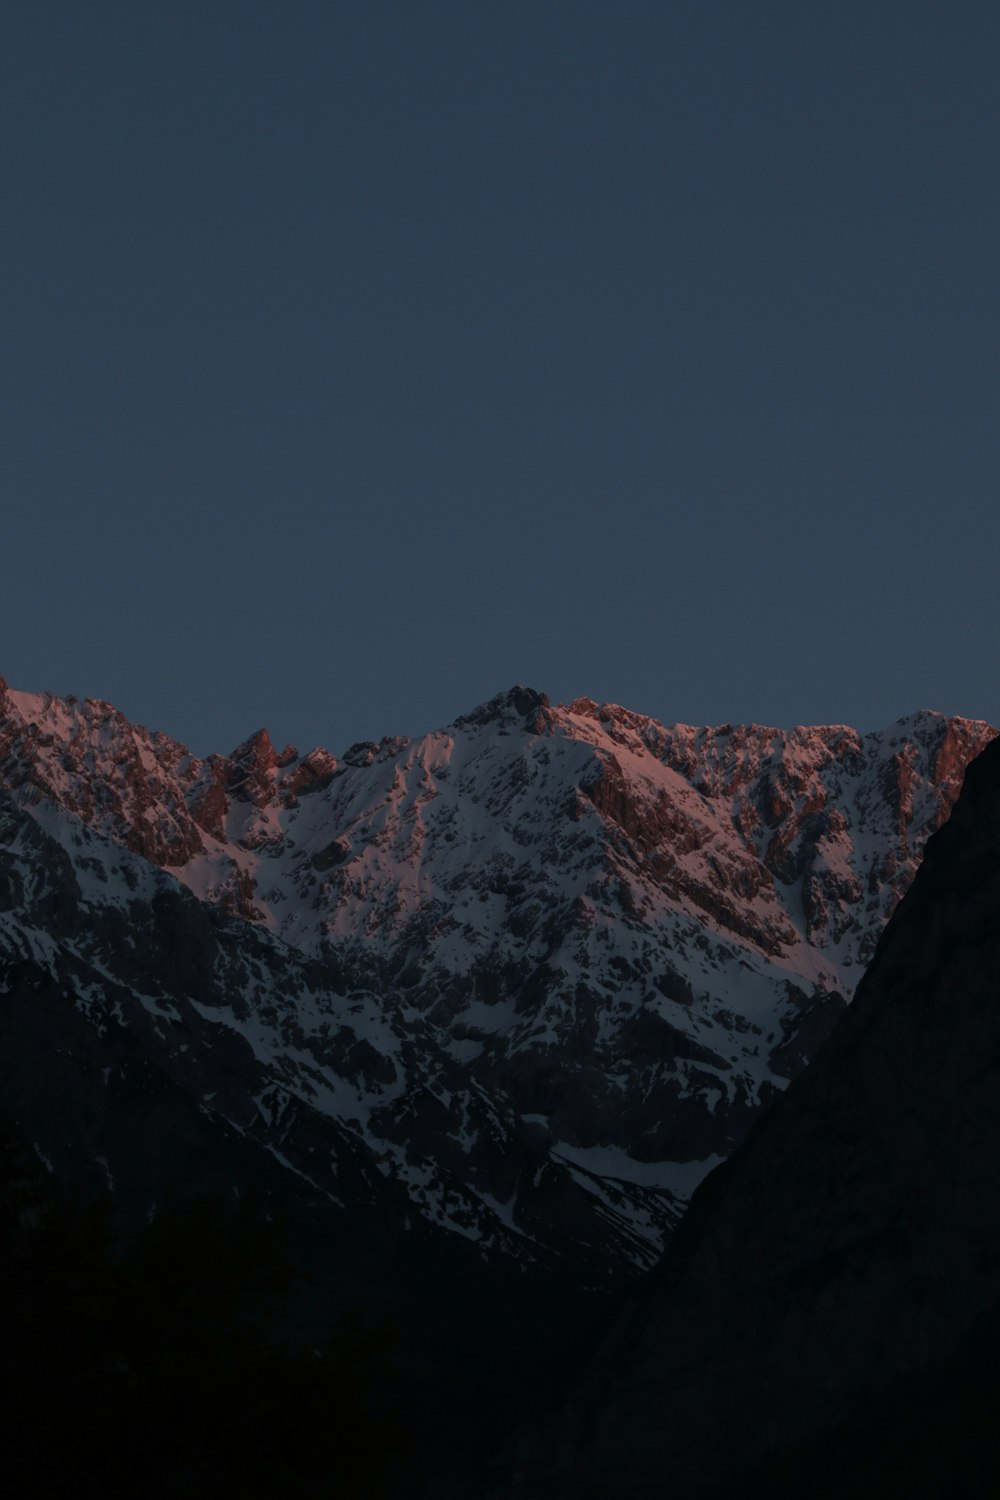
<point>851,1242</point>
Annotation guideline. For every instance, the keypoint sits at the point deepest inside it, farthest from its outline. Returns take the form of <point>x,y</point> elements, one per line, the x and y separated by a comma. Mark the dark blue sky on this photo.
<point>361,359</point>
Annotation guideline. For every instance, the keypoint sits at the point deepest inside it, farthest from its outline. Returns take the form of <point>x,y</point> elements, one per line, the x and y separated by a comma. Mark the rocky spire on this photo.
<point>250,775</point>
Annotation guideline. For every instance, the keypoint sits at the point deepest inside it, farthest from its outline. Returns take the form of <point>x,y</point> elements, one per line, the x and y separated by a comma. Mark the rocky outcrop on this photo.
<point>313,773</point>
<point>250,770</point>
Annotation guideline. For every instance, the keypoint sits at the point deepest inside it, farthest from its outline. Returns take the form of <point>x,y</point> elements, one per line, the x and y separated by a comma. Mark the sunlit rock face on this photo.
<point>539,969</point>
<point>852,1240</point>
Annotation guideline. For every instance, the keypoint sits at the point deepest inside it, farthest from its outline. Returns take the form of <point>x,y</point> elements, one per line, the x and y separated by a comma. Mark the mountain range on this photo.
<point>477,1012</point>
<point>532,976</point>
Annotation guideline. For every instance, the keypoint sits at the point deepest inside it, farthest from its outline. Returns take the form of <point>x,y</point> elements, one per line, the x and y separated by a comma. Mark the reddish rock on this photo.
<point>313,772</point>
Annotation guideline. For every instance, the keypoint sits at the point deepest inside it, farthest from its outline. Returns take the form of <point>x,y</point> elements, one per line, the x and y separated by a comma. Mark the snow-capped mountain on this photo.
<point>527,978</point>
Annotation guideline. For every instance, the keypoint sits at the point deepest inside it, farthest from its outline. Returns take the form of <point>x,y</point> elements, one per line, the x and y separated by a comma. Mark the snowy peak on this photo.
<point>781,839</point>
<point>725,817</point>
<point>519,705</point>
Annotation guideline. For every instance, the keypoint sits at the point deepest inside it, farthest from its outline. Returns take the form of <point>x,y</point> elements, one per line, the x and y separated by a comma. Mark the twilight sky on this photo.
<point>360,360</point>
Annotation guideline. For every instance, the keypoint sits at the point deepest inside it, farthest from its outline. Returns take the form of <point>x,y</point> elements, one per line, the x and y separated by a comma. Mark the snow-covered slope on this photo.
<point>557,957</point>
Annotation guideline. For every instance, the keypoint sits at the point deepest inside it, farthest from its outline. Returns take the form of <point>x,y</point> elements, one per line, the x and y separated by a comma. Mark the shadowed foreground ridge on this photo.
<point>852,1241</point>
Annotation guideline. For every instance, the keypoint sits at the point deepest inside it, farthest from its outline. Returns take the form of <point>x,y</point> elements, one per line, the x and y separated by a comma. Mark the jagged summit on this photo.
<point>515,704</point>
<point>257,747</point>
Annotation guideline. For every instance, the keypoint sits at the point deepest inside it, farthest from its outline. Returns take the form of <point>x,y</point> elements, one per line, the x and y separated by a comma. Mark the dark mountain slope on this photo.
<point>854,1239</point>
<point>123,1064</point>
